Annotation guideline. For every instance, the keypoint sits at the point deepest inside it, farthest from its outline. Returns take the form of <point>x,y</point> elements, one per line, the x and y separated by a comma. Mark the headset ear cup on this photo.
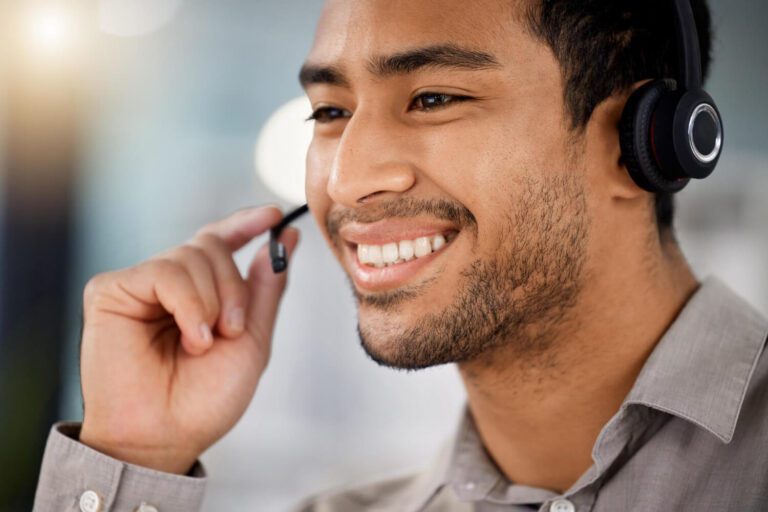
<point>636,142</point>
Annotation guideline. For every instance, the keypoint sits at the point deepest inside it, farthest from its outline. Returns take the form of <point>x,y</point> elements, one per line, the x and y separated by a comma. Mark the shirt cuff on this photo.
<point>71,469</point>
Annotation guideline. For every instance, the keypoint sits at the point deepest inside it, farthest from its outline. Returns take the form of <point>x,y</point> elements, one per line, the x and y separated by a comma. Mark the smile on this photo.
<point>388,266</point>
<point>390,253</point>
<point>403,251</point>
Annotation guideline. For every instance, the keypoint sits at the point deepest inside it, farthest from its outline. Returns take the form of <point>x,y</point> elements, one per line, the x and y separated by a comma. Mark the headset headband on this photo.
<point>689,52</point>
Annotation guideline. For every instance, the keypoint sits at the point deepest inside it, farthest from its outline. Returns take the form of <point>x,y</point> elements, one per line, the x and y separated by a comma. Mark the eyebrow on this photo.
<point>447,56</point>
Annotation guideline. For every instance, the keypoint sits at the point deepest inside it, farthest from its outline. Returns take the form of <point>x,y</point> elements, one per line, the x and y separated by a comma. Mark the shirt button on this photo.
<point>562,505</point>
<point>90,502</point>
<point>470,486</point>
<point>146,507</point>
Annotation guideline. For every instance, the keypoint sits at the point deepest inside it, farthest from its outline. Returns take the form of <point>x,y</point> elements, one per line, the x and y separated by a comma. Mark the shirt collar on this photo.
<point>701,368</point>
<point>461,462</point>
<point>699,371</point>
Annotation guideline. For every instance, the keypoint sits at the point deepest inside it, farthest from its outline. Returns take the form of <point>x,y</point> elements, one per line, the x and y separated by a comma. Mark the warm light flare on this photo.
<point>51,30</point>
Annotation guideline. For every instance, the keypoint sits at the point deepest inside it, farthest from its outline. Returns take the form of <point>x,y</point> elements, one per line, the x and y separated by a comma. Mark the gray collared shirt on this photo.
<point>692,434</point>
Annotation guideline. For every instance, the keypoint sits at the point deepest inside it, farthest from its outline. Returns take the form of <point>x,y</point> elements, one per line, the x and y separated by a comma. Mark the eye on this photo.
<point>434,100</point>
<point>327,114</point>
<point>428,100</point>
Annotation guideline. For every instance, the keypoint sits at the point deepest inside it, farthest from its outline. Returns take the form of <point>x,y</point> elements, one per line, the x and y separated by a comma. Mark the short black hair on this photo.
<point>605,46</point>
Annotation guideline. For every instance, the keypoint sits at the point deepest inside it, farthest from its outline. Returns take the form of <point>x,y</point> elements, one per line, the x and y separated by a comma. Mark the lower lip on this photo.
<point>375,279</point>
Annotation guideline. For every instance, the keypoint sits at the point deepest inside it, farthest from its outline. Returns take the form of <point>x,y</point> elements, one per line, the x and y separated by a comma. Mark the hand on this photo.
<point>173,348</point>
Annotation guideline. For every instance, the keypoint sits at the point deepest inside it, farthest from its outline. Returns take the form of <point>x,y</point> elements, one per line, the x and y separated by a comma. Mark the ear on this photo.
<point>605,149</point>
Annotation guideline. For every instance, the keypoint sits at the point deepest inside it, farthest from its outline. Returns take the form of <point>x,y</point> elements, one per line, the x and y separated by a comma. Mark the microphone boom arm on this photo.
<point>277,250</point>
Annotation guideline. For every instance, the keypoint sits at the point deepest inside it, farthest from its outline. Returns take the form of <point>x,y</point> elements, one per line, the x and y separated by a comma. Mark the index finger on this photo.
<point>242,226</point>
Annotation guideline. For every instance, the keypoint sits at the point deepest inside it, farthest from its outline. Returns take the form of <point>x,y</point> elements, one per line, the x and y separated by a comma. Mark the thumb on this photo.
<point>267,288</point>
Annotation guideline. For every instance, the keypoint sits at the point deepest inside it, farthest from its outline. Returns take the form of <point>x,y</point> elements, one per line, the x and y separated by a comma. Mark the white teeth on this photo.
<point>399,252</point>
<point>374,256</point>
<point>389,253</point>
<point>422,247</point>
<point>363,252</point>
<point>437,242</point>
<point>406,250</point>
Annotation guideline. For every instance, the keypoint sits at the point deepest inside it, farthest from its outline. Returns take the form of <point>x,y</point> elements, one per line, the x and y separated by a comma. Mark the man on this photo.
<point>467,173</point>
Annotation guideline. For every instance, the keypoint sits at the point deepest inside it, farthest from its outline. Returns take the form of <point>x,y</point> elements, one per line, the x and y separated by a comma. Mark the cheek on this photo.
<point>464,159</point>
<point>318,165</point>
<point>467,163</point>
<point>486,162</point>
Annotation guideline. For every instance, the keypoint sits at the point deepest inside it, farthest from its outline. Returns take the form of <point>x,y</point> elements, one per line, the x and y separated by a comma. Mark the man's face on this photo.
<point>441,142</point>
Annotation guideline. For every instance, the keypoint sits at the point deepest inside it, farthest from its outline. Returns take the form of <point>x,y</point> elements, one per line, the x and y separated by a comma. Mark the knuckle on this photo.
<point>209,230</point>
<point>164,272</point>
<point>94,287</point>
<point>213,247</point>
<point>188,252</point>
<point>196,305</point>
<point>210,304</point>
<point>235,291</point>
<point>166,266</point>
<point>208,239</point>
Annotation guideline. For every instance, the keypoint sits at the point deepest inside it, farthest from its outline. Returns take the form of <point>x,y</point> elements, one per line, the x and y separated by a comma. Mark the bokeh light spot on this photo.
<point>281,150</point>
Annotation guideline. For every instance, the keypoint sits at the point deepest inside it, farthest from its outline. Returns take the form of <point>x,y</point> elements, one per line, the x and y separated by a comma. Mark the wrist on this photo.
<point>156,458</point>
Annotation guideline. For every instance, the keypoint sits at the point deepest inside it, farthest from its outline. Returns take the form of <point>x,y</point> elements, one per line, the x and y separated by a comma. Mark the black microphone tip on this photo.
<point>279,265</point>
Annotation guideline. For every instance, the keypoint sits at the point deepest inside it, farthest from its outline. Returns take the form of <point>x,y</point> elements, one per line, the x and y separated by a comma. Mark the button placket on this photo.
<point>562,505</point>
<point>90,501</point>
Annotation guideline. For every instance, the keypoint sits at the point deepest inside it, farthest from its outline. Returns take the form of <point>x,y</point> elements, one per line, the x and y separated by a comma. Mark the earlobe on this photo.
<point>605,146</point>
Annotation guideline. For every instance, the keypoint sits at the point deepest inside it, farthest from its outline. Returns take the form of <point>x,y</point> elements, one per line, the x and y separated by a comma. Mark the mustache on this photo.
<point>442,209</point>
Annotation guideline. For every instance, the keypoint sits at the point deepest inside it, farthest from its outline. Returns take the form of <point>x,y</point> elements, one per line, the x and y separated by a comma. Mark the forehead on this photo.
<point>351,31</point>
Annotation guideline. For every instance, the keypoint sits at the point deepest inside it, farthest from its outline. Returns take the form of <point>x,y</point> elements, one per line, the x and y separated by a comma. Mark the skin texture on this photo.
<point>557,287</point>
<point>157,390</point>
<point>551,297</point>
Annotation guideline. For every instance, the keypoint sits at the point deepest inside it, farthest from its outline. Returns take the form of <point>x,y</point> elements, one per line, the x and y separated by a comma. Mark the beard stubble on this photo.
<point>516,299</point>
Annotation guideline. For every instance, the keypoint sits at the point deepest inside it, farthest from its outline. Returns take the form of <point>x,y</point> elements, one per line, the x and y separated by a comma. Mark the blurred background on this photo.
<point>127,124</point>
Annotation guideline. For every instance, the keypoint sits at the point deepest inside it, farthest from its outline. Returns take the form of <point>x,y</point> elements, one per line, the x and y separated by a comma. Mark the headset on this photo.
<point>670,130</point>
<point>276,249</point>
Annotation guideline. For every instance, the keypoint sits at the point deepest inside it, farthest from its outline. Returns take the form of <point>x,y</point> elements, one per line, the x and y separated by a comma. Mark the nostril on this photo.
<point>365,199</point>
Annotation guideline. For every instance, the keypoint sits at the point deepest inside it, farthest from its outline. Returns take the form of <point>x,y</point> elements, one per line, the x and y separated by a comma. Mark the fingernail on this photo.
<point>205,333</point>
<point>237,319</point>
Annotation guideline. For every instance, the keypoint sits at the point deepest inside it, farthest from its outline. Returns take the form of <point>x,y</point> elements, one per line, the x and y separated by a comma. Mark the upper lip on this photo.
<point>393,230</point>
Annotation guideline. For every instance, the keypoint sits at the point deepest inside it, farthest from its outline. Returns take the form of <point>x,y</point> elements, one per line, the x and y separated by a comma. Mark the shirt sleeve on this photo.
<point>77,478</point>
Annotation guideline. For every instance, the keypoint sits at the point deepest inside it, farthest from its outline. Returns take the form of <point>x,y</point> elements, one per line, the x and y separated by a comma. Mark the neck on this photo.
<point>533,408</point>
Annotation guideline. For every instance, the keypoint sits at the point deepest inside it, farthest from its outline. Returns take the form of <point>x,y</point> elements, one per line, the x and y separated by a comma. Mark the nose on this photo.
<point>372,161</point>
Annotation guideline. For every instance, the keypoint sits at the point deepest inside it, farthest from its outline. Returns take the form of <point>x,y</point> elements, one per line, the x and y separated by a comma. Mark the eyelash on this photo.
<point>452,98</point>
